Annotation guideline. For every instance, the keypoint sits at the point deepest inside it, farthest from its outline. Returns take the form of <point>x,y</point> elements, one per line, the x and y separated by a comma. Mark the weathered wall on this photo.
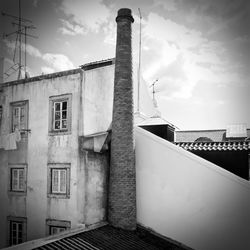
<point>98,99</point>
<point>42,149</point>
<point>192,135</point>
<point>96,170</point>
<point>92,92</point>
<point>189,199</point>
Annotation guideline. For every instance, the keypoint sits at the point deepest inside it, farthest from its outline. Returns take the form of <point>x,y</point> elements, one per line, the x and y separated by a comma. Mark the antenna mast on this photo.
<point>139,67</point>
<point>153,85</point>
<point>22,26</point>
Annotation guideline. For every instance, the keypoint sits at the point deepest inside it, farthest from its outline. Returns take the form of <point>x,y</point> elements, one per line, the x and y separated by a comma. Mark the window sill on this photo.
<point>55,133</point>
<point>59,196</point>
<point>17,193</point>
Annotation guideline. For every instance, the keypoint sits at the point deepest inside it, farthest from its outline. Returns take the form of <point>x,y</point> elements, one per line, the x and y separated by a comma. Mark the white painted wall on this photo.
<point>98,99</point>
<point>92,111</point>
<point>189,199</point>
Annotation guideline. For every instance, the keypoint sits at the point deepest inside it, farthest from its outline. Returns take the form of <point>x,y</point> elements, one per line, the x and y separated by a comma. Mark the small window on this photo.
<point>60,114</point>
<point>56,226</point>
<point>17,178</point>
<point>59,180</point>
<point>17,230</point>
<point>19,116</point>
<point>55,230</point>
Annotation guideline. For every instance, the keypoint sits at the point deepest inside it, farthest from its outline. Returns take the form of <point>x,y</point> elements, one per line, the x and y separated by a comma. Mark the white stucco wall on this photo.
<point>189,199</point>
<point>98,99</point>
<point>91,110</point>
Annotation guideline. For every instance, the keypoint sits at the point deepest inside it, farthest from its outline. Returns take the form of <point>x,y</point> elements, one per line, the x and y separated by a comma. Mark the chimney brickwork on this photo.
<point>122,186</point>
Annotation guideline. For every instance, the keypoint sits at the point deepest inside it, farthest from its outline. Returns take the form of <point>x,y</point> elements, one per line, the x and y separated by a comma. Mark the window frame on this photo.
<point>16,220</point>
<point>10,179</point>
<point>60,99</point>
<point>60,167</point>
<point>19,104</point>
<point>53,223</point>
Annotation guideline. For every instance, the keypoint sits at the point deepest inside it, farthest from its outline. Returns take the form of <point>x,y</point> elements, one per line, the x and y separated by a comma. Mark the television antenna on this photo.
<point>153,85</point>
<point>23,25</point>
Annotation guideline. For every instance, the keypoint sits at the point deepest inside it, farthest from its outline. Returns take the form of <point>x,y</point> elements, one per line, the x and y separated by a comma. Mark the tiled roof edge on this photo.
<point>41,77</point>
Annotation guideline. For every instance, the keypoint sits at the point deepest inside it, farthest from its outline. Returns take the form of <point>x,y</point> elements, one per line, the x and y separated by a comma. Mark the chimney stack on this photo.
<point>122,189</point>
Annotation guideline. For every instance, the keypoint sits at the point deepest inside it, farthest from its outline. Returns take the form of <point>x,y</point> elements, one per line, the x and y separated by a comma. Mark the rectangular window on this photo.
<point>55,230</point>
<point>59,180</point>
<point>17,178</point>
<point>19,116</point>
<point>57,226</point>
<point>17,230</point>
<point>60,114</point>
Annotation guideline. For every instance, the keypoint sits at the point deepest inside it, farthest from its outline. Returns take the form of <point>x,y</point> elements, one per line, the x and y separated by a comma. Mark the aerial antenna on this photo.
<point>139,66</point>
<point>153,85</point>
<point>23,25</point>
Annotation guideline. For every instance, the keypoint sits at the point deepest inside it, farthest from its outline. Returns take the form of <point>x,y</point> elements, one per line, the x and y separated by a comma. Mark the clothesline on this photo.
<point>8,141</point>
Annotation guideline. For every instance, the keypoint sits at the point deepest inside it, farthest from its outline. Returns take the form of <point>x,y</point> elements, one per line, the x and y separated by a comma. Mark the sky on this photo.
<point>199,50</point>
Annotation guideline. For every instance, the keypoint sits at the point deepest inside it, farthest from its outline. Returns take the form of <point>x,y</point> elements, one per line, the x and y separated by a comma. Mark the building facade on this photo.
<point>53,151</point>
<point>228,148</point>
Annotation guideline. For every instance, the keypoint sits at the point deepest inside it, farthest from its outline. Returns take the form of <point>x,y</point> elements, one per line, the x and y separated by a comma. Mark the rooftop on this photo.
<point>213,146</point>
<point>104,237</point>
<point>87,66</point>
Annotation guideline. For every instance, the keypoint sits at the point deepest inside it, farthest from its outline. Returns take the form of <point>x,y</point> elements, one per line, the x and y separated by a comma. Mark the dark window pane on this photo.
<point>64,105</point>
<point>64,123</point>
<point>57,106</point>
<point>57,125</point>
<point>57,115</point>
<point>64,115</point>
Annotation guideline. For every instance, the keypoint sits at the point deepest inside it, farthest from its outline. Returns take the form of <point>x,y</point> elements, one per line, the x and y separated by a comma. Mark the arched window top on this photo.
<point>203,139</point>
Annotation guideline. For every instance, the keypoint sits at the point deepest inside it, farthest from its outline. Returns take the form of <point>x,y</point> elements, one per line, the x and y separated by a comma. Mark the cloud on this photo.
<point>71,29</point>
<point>169,5</point>
<point>182,58</point>
<point>110,33</point>
<point>47,70</point>
<point>89,14</point>
<point>165,29</point>
<point>57,61</point>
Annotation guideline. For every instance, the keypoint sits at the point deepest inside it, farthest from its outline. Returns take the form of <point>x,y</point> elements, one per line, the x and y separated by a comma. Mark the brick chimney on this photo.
<point>122,190</point>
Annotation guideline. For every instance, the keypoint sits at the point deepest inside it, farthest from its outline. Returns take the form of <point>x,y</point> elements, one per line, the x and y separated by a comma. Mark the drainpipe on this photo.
<point>122,188</point>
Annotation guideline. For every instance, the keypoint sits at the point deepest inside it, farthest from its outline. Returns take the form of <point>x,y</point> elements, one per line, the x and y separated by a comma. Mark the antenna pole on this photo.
<point>139,67</point>
<point>20,42</point>
<point>25,56</point>
<point>22,28</point>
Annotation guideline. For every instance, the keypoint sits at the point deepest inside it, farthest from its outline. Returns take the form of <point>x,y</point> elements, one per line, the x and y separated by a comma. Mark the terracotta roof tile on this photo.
<point>215,146</point>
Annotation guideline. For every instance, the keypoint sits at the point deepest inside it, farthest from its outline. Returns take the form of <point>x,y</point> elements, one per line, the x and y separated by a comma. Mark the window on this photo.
<point>19,115</point>
<point>17,178</point>
<point>17,230</point>
<point>57,226</point>
<point>59,180</point>
<point>56,230</point>
<point>60,114</point>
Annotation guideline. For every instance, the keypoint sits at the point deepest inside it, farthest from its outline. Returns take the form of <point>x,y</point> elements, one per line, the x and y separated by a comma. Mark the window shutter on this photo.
<point>21,179</point>
<point>14,179</point>
<point>55,180</point>
<point>63,181</point>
